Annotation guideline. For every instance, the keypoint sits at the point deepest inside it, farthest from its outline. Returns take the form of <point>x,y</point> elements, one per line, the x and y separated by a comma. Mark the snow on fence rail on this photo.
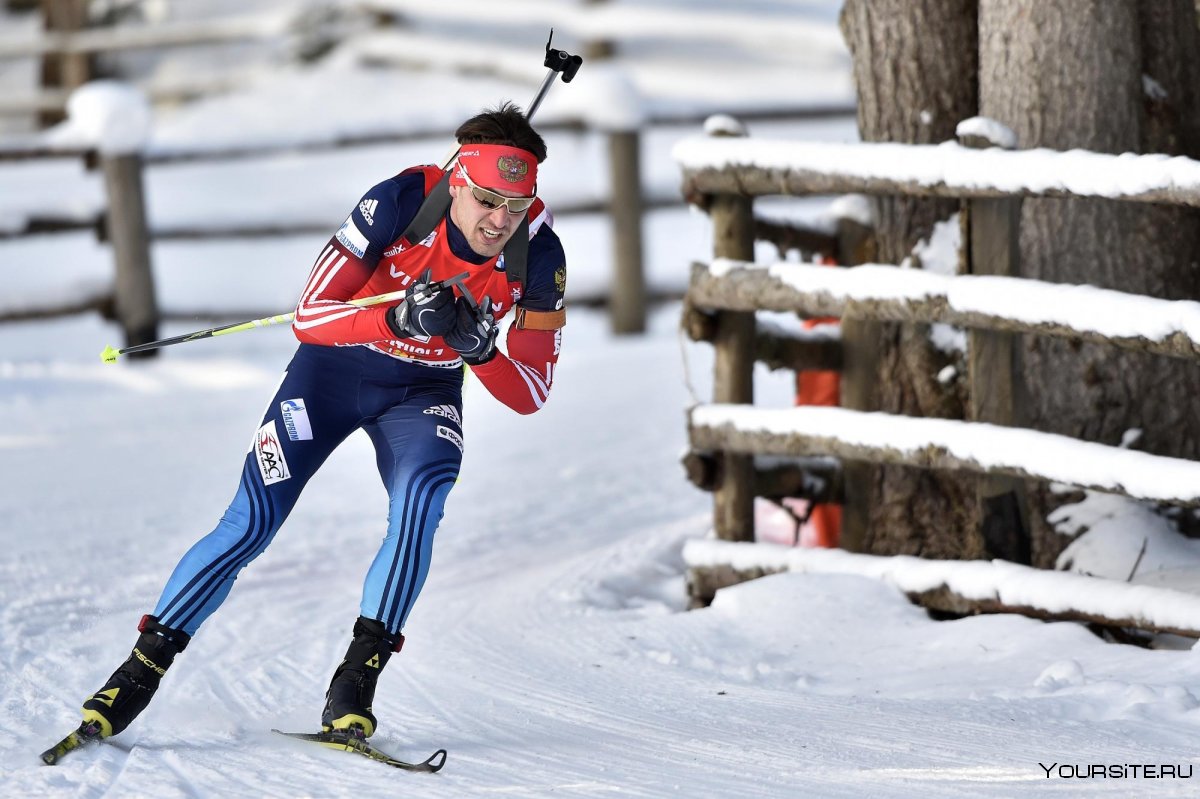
<point>893,294</point>
<point>959,587</point>
<point>725,174</point>
<point>945,444</point>
<point>757,168</point>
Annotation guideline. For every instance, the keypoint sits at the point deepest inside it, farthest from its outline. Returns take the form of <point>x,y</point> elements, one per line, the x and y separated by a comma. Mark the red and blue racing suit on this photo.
<point>351,373</point>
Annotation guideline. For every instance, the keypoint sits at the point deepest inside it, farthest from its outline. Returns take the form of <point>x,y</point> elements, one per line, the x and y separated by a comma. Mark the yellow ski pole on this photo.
<point>111,354</point>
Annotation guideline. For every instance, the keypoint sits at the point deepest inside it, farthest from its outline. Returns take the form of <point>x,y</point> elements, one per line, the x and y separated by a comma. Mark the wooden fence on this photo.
<point>726,175</point>
<point>123,222</point>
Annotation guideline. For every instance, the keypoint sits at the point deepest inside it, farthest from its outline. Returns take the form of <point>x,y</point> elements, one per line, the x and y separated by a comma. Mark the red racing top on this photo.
<point>368,256</point>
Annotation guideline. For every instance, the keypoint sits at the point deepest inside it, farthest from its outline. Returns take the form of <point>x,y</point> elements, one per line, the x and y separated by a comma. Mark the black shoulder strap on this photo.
<point>516,254</point>
<point>430,213</point>
<point>516,251</point>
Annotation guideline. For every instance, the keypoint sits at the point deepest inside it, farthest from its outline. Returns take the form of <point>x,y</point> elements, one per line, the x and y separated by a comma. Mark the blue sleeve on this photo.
<point>381,215</point>
<point>546,276</point>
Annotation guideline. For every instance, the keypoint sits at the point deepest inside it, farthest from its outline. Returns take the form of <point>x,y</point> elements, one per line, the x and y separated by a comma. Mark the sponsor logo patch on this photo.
<point>352,238</point>
<point>399,248</point>
<point>295,420</point>
<point>269,454</point>
<point>451,436</point>
<point>428,240</point>
<point>446,412</point>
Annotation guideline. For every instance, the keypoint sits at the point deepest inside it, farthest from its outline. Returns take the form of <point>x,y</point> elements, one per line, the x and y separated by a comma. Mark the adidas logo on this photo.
<point>446,412</point>
<point>367,209</point>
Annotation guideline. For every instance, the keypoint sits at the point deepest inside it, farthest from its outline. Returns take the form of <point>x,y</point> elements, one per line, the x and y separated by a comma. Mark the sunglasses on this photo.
<point>491,200</point>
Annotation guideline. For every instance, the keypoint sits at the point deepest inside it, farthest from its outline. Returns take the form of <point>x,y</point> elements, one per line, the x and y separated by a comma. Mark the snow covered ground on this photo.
<point>550,652</point>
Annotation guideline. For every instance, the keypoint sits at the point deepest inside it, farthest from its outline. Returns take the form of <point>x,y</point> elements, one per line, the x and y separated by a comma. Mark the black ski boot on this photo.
<point>352,689</point>
<point>131,687</point>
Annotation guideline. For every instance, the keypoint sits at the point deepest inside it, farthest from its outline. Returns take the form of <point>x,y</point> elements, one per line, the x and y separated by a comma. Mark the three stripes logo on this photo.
<point>446,412</point>
<point>367,209</point>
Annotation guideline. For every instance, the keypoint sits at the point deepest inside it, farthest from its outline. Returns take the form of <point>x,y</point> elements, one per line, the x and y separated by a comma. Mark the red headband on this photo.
<point>498,167</point>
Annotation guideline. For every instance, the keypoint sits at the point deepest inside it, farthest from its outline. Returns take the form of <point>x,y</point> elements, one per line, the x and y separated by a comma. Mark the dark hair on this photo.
<point>506,124</point>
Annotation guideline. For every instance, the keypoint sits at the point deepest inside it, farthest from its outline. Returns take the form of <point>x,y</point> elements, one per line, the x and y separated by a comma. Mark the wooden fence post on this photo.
<point>733,380</point>
<point>597,49</point>
<point>860,364</point>
<point>991,229</point>
<point>65,71</point>
<point>135,305</point>
<point>628,299</point>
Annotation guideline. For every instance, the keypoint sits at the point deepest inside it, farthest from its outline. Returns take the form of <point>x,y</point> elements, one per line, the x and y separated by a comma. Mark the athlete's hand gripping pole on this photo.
<point>111,354</point>
<point>473,336</point>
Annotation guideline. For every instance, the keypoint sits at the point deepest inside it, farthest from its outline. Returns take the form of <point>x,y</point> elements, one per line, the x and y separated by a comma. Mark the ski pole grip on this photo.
<point>563,62</point>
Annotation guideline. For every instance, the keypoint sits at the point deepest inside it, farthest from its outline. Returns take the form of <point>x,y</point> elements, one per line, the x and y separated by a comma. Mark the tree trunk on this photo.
<point>1111,76</point>
<point>915,68</point>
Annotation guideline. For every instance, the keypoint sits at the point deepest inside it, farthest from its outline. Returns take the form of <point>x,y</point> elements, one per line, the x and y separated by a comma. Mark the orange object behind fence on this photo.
<point>820,387</point>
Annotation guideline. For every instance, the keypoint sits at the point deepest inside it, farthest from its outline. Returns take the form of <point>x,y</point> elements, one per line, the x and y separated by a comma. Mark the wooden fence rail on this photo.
<point>167,34</point>
<point>765,167</point>
<point>891,294</point>
<point>944,444</point>
<point>958,587</point>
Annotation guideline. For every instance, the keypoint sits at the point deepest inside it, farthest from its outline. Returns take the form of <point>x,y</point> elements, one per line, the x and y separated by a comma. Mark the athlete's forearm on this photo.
<point>522,378</point>
<point>323,315</point>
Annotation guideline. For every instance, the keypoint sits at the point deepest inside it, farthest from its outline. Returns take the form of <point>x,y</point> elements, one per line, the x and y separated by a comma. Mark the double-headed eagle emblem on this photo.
<point>512,168</point>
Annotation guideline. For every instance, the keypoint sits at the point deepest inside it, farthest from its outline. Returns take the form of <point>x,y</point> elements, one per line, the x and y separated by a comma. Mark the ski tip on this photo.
<point>86,734</point>
<point>110,355</point>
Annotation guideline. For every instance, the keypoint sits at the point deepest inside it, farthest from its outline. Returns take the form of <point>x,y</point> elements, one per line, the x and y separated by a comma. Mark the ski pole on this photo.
<point>557,62</point>
<point>111,354</point>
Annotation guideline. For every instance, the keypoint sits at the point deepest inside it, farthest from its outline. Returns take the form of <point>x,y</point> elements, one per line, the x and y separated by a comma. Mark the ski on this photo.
<point>351,743</point>
<point>88,733</point>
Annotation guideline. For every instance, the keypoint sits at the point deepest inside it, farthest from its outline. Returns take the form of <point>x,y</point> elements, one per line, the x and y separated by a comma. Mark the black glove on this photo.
<point>474,332</point>
<point>423,312</point>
